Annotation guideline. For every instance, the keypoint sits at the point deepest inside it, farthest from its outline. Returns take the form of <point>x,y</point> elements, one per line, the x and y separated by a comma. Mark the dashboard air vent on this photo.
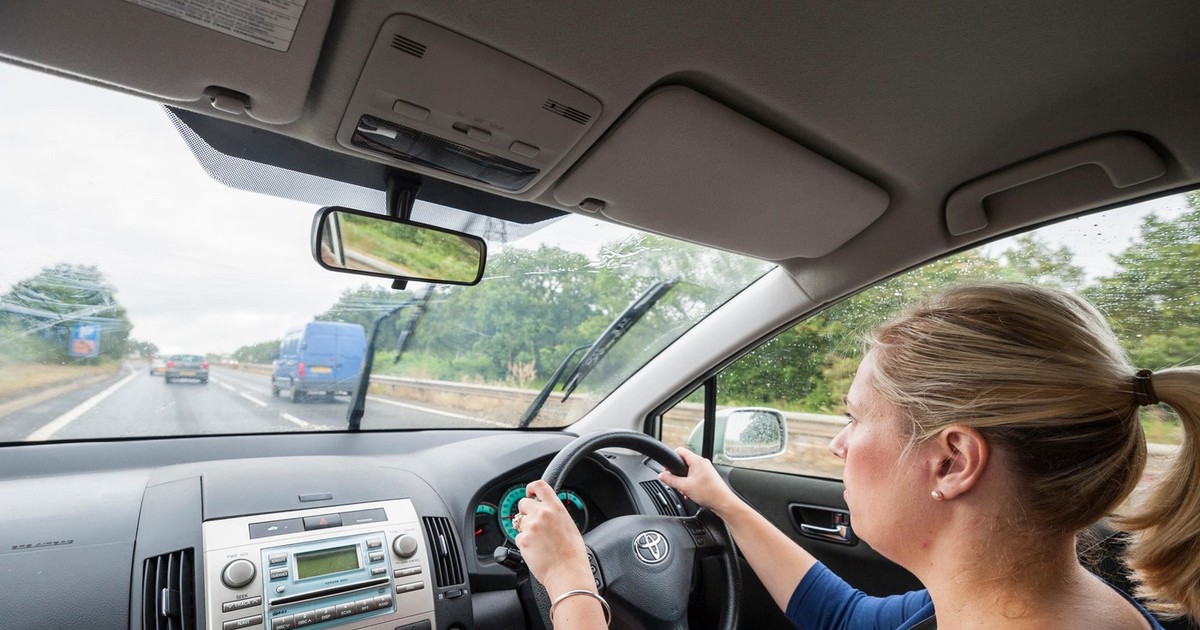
<point>665,500</point>
<point>402,43</point>
<point>447,566</point>
<point>169,592</point>
<point>566,111</point>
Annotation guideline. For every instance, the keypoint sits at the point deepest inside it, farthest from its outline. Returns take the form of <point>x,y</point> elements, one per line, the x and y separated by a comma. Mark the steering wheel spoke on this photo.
<point>642,562</point>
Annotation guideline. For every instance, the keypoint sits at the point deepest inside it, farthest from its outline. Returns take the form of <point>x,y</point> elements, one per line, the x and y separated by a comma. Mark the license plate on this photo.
<point>321,369</point>
<point>186,373</point>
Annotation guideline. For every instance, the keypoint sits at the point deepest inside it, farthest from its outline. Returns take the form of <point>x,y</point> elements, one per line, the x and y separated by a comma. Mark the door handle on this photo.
<point>841,533</point>
<point>823,523</point>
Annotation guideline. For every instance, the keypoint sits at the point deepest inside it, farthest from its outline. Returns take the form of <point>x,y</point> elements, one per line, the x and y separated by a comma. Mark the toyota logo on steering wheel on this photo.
<point>651,547</point>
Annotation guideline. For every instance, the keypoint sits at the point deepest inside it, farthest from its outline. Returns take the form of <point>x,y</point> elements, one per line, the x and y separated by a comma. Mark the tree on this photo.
<point>262,352</point>
<point>364,305</point>
<point>1151,299</point>
<point>1031,260</point>
<point>141,348</point>
<point>527,310</point>
<point>50,304</point>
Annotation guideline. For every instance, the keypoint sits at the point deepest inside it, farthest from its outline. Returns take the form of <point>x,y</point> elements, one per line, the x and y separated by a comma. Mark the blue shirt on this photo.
<point>823,601</point>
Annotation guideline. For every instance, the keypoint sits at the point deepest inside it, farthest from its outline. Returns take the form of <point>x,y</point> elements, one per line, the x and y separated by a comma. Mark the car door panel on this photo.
<point>779,497</point>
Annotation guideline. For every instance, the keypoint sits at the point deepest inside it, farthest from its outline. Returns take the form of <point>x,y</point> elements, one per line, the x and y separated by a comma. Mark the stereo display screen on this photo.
<point>326,561</point>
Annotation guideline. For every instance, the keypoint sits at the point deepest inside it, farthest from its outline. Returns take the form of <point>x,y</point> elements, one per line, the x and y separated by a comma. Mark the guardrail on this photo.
<point>505,404</point>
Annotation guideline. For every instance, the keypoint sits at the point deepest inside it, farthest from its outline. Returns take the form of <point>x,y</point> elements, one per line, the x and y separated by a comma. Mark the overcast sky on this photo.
<point>199,266</point>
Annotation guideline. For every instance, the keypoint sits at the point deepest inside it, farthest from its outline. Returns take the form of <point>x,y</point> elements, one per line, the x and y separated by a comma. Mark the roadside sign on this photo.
<point>85,340</point>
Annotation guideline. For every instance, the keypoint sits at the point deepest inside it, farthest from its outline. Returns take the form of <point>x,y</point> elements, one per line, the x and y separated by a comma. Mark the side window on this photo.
<point>1139,265</point>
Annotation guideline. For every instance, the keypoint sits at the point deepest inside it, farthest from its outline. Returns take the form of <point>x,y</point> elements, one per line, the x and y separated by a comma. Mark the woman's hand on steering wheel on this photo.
<point>702,484</point>
<point>550,543</point>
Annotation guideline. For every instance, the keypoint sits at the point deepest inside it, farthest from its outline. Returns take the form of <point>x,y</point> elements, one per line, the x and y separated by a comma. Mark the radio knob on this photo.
<point>238,573</point>
<point>405,546</point>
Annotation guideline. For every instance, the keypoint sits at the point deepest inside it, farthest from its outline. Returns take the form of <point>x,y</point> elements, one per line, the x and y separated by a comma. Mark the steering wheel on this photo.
<point>644,564</point>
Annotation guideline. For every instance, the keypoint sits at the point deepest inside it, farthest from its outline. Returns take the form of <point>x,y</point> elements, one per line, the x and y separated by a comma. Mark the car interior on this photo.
<point>833,145</point>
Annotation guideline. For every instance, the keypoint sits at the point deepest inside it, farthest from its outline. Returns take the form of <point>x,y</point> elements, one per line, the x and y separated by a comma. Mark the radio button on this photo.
<point>376,556</point>
<point>325,614</point>
<point>276,528</point>
<point>375,543</point>
<point>405,545</point>
<point>406,572</point>
<point>365,605</point>
<point>277,558</point>
<point>279,574</point>
<point>306,618</point>
<point>378,571</point>
<point>238,573</point>
<point>410,587</point>
<point>358,517</point>
<point>286,622</point>
<point>240,604</point>
<point>383,601</point>
<point>244,622</point>
<point>345,610</point>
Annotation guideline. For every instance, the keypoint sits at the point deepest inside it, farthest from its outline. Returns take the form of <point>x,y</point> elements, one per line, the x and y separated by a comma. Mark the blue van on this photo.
<point>320,359</point>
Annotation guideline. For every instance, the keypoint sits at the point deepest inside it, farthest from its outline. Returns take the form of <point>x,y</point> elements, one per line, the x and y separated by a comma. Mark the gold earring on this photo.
<point>937,495</point>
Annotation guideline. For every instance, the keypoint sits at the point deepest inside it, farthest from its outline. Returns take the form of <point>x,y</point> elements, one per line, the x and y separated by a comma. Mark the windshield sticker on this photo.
<point>269,23</point>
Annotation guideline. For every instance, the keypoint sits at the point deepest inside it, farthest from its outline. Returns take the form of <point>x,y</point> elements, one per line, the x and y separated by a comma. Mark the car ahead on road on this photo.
<point>319,359</point>
<point>186,367</point>
<point>689,212</point>
<point>158,364</point>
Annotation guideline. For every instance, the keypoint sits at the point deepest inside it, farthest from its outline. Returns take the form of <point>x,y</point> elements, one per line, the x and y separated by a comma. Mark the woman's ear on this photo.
<point>960,455</point>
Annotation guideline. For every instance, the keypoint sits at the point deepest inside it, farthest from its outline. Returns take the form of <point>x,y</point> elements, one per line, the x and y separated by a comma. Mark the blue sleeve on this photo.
<point>823,601</point>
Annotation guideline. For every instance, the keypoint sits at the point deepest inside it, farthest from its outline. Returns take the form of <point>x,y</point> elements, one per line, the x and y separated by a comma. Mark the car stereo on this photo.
<point>358,566</point>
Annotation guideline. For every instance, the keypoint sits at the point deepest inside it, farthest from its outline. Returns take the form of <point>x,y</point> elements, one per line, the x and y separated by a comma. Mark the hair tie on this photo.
<point>1143,389</point>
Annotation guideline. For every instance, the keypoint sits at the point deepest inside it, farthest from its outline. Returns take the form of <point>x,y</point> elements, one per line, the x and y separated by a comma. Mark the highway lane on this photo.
<point>134,404</point>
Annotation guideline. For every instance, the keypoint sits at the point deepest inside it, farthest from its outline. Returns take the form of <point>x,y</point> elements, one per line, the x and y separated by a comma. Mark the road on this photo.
<point>133,404</point>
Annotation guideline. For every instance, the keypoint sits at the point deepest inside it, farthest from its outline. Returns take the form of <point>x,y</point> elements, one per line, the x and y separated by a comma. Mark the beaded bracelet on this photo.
<point>558,600</point>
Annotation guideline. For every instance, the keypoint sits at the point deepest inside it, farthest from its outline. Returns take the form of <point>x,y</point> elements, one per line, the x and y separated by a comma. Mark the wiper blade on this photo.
<point>536,404</point>
<point>607,339</point>
<point>358,403</point>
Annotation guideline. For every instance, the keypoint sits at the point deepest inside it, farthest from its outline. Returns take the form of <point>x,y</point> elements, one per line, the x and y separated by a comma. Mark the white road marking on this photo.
<point>56,425</point>
<point>439,412</point>
<point>300,423</point>
<point>252,399</point>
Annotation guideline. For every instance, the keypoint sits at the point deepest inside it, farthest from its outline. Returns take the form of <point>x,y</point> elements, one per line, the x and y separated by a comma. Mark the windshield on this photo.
<point>140,297</point>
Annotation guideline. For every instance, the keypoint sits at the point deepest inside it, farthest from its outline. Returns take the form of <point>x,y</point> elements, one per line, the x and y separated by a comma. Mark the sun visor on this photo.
<point>245,56</point>
<point>684,165</point>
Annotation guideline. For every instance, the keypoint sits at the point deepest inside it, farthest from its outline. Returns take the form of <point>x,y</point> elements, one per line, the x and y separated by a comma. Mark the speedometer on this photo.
<point>508,509</point>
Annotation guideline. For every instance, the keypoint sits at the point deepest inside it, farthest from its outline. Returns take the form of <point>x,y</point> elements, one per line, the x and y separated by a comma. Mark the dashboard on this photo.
<point>343,530</point>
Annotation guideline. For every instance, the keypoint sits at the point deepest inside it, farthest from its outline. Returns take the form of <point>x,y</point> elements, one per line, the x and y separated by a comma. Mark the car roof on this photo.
<point>845,141</point>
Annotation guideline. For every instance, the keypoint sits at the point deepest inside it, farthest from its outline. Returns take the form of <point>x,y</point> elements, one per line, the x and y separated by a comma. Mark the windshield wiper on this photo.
<point>358,403</point>
<point>598,349</point>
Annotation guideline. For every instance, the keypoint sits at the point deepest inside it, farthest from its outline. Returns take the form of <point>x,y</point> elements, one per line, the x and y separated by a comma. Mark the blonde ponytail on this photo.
<point>1165,553</point>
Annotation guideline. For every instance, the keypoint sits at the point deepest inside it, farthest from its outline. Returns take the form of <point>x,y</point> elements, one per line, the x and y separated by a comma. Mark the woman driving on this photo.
<point>987,426</point>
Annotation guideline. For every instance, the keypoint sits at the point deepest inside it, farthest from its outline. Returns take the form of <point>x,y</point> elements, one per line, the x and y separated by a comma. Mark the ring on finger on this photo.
<point>516,522</point>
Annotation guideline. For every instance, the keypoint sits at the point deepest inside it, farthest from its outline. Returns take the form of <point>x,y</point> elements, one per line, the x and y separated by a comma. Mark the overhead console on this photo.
<point>430,98</point>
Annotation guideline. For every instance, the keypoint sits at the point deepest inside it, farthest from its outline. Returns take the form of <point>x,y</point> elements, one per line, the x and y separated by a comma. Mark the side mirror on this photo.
<point>364,243</point>
<point>744,433</point>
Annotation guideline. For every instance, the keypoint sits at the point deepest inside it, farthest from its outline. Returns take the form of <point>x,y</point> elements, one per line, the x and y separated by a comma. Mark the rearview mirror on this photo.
<point>353,241</point>
<point>744,433</point>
